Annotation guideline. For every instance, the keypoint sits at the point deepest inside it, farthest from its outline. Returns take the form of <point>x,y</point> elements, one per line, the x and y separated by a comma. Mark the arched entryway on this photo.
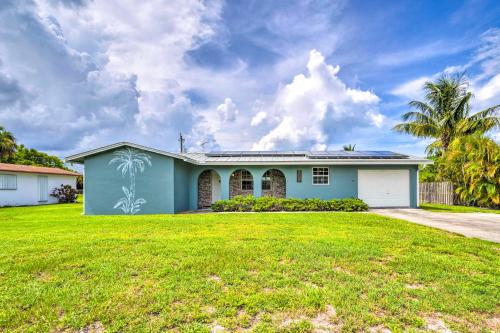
<point>208,188</point>
<point>240,183</point>
<point>274,184</point>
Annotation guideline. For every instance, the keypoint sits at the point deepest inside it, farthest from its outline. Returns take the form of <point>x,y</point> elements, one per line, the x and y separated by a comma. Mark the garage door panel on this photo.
<point>384,188</point>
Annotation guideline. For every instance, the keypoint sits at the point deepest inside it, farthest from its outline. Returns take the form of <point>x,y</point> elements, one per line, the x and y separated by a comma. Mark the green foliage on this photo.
<point>472,163</point>
<point>430,172</point>
<point>7,144</point>
<point>271,204</point>
<point>349,147</point>
<point>65,194</point>
<point>237,204</point>
<point>445,114</point>
<point>460,153</point>
<point>267,204</point>
<point>79,182</point>
<point>30,156</point>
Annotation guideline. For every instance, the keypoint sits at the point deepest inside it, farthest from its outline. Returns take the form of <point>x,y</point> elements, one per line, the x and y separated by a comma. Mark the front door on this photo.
<point>215,186</point>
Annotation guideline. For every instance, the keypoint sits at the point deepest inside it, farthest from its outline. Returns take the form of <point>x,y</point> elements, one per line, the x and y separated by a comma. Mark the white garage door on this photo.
<point>384,188</point>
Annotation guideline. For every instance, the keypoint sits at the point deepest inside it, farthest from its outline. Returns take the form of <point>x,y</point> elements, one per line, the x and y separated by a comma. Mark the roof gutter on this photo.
<point>326,162</point>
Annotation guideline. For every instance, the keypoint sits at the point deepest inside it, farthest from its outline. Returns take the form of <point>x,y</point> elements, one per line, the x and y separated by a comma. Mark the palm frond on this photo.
<point>434,148</point>
<point>418,117</point>
<point>462,108</point>
<point>483,121</point>
<point>423,107</point>
<point>421,130</point>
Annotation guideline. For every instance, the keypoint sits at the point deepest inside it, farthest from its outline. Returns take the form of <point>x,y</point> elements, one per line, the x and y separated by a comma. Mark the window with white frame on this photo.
<point>266,180</point>
<point>321,176</point>
<point>246,180</point>
<point>8,182</point>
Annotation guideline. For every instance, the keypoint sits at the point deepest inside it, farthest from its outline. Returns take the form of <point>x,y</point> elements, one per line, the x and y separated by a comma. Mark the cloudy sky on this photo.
<point>267,75</point>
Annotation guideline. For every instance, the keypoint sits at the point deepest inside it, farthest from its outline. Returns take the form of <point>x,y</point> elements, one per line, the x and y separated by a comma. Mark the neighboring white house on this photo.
<point>22,185</point>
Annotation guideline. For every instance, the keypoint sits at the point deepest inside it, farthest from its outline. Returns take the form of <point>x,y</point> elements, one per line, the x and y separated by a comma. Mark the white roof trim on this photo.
<point>79,158</point>
<point>325,162</point>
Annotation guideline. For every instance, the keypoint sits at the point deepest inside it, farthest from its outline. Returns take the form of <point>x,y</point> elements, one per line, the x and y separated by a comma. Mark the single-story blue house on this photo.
<point>126,178</point>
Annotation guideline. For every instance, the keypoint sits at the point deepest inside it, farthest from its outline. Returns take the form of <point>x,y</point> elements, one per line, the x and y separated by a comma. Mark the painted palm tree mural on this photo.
<point>131,162</point>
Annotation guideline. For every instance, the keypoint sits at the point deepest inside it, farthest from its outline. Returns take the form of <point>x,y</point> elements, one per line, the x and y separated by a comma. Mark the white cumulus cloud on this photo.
<point>375,118</point>
<point>258,118</point>
<point>317,106</point>
<point>227,111</point>
<point>106,70</point>
<point>485,84</point>
<point>411,89</point>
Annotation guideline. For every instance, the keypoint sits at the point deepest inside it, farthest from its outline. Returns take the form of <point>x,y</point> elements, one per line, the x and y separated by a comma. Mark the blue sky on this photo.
<point>78,74</point>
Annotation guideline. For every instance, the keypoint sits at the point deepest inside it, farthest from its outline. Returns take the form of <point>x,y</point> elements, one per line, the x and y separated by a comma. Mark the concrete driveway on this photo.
<point>479,225</point>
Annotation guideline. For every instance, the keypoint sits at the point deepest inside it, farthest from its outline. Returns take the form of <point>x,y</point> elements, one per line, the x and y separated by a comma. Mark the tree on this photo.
<point>8,144</point>
<point>445,114</point>
<point>430,172</point>
<point>349,147</point>
<point>472,163</point>
<point>30,156</point>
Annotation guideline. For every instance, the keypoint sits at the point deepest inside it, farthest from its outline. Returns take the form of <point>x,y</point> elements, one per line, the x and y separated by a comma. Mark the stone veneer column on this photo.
<point>205,189</point>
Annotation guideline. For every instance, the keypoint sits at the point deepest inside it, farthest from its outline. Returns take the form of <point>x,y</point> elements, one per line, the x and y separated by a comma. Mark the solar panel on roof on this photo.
<point>341,154</point>
<point>253,153</point>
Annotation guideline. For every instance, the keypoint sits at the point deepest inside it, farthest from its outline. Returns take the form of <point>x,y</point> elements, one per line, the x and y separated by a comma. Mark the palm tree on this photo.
<point>8,144</point>
<point>349,147</point>
<point>130,161</point>
<point>445,114</point>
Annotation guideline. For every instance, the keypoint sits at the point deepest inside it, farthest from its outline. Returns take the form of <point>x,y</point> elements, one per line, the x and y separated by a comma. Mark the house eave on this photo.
<point>79,158</point>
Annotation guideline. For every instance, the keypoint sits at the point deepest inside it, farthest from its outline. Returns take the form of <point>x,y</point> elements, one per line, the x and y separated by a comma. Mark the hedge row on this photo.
<point>270,204</point>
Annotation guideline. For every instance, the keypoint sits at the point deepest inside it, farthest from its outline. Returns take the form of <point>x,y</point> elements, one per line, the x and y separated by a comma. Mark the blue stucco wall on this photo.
<point>343,181</point>
<point>182,173</point>
<point>170,185</point>
<point>103,185</point>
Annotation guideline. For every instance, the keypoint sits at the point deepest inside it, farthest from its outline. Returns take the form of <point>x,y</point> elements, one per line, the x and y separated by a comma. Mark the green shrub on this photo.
<point>238,203</point>
<point>267,204</point>
<point>294,205</point>
<point>64,194</point>
<point>218,206</point>
<point>347,205</point>
<point>271,204</point>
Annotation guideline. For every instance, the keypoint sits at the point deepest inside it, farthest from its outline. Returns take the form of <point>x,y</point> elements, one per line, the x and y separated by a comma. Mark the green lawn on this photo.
<point>291,272</point>
<point>457,209</point>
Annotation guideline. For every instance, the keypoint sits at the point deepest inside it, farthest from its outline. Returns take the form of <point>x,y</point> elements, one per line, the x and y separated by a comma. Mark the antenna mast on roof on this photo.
<point>181,141</point>
<point>203,143</point>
